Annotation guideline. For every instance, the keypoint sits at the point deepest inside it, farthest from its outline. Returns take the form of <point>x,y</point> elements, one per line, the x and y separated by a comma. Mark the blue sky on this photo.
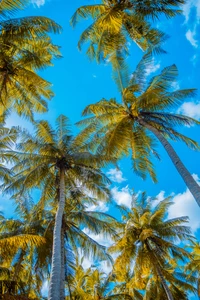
<point>78,82</point>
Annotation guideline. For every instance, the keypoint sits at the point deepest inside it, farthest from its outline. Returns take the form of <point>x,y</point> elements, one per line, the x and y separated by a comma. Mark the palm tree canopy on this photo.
<point>116,21</point>
<point>25,48</point>
<point>116,128</point>
<point>40,156</point>
<point>149,241</point>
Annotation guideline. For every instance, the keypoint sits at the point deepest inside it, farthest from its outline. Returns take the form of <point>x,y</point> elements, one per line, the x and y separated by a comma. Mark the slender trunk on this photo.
<point>159,271</point>
<point>187,177</point>
<point>164,284</point>
<point>55,278</point>
<point>62,284</point>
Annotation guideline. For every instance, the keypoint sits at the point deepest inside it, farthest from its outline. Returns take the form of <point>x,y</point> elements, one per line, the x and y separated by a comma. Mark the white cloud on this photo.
<point>185,205</point>
<point>152,68</point>
<point>87,262</point>
<point>160,196</point>
<point>45,288</point>
<point>38,2</point>
<point>99,238</point>
<point>190,35</point>
<point>189,6</point>
<point>122,196</point>
<point>100,206</point>
<point>190,109</point>
<point>175,85</point>
<point>105,267</point>
<point>116,175</point>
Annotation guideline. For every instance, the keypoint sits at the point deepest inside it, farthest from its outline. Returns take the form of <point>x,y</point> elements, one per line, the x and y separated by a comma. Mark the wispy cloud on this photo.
<point>99,206</point>
<point>190,36</point>
<point>152,68</point>
<point>175,85</point>
<point>190,109</point>
<point>194,59</point>
<point>45,288</point>
<point>191,5</point>
<point>99,238</point>
<point>38,2</point>
<point>116,175</point>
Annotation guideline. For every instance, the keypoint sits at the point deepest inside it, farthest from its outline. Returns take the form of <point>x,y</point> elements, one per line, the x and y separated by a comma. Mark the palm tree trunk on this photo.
<point>62,284</point>
<point>187,177</point>
<point>55,278</point>
<point>154,253</point>
<point>164,284</point>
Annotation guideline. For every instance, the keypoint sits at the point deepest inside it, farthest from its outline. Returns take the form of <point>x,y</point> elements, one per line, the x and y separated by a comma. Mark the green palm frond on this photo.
<point>10,7</point>
<point>150,241</point>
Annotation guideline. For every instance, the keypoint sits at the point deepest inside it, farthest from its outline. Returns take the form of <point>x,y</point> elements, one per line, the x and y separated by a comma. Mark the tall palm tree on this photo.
<point>32,263</point>
<point>51,154</point>
<point>116,128</point>
<point>77,217</point>
<point>147,244</point>
<point>114,22</point>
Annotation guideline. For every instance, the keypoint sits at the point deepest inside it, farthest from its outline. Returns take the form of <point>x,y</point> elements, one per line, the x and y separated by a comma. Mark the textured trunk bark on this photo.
<point>187,177</point>
<point>55,278</point>
<point>62,284</point>
<point>163,282</point>
<point>154,253</point>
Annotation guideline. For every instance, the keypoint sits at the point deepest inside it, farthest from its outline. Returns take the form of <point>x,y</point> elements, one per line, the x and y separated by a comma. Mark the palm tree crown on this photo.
<point>148,244</point>
<point>116,21</point>
<point>116,128</point>
<point>25,48</point>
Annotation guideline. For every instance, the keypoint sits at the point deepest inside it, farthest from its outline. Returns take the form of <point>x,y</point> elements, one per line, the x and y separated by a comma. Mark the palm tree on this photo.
<point>147,244</point>
<point>19,240</point>
<point>116,21</point>
<point>25,48</point>
<point>52,155</point>
<point>116,128</point>
<point>41,221</point>
<point>193,266</point>
<point>126,284</point>
<point>8,138</point>
<point>77,217</point>
<point>93,284</point>
<point>180,287</point>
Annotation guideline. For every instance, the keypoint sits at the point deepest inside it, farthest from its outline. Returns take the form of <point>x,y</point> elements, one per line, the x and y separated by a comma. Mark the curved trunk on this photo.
<point>187,177</point>
<point>164,284</point>
<point>154,253</point>
<point>62,283</point>
<point>55,278</point>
